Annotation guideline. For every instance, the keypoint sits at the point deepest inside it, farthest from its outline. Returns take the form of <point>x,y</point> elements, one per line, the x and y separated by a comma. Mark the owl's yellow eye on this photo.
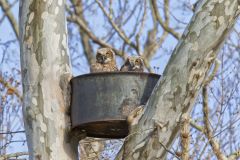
<point>137,61</point>
<point>108,53</point>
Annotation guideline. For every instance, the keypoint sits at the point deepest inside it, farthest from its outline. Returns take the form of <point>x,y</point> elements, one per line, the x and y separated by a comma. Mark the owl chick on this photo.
<point>133,64</point>
<point>105,61</point>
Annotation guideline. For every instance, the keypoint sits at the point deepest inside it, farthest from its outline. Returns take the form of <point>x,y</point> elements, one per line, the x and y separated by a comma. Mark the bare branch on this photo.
<point>185,137</point>
<point>74,18</point>
<point>84,36</point>
<point>141,27</point>
<point>118,30</point>
<point>12,132</point>
<point>6,8</point>
<point>234,156</point>
<point>213,142</point>
<point>11,89</point>
<point>164,25</point>
<point>213,74</point>
<point>196,126</point>
<point>176,91</point>
<point>153,43</point>
<point>13,155</point>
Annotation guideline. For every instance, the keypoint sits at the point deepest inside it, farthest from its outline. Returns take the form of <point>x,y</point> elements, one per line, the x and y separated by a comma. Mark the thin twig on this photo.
<point>213,142</point>
<point>234,155</point>
<point>164,25</point>
<point>13,155</point>
<point>196,126</point>
<point>12,132</point>
<point>118,30</point>
<point>74,18</point>
<point>10,88</point>
<point>88,50</point>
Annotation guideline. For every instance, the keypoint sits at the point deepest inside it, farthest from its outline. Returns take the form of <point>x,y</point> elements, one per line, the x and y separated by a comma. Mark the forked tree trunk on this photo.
<point>45,72</point>
<point>45,76</point>
<point>175,93</point>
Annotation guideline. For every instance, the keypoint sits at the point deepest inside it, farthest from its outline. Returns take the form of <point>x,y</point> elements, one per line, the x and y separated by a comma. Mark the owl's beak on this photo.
<point>132,64</point>
<point>103,59</point>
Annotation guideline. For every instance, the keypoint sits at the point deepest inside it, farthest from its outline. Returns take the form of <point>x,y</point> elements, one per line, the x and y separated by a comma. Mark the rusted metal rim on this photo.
<point>116,73</point>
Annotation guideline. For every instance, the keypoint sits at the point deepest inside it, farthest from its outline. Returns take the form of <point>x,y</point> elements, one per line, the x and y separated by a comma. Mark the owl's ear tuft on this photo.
<point>113,53</point>
<point>127,60</point>
<point>141,58</point>
<point>110,50</point>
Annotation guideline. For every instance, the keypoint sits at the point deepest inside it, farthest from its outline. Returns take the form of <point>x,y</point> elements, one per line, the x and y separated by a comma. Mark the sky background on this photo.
<point>12,59</point>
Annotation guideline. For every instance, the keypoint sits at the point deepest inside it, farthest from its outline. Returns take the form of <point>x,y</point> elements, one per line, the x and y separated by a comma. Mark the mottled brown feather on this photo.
<point>133,64</point>
<point>105,61</point>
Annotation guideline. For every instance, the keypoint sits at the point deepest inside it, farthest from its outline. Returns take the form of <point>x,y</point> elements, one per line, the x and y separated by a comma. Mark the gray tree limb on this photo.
<point>176,91</point>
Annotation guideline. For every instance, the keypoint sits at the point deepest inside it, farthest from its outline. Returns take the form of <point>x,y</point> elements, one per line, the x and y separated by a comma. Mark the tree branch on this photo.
<point>12,132</point>
<point>6,8</point>
<point>196,126</point>
<point>11,89</point>
<point>118,30</point>
<point>182,79</point>
<point>74,18</point>
<point>164,25</point>
<point>234,156</point>
<point>78,8</point>
<point>213,142</point>
<point>13,155</point>
<point>185,137</point>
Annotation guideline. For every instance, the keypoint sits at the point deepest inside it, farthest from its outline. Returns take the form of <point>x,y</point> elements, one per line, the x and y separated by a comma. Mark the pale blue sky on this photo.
<point>7,34</point>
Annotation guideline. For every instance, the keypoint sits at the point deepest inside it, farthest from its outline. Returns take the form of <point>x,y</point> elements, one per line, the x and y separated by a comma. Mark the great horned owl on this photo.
<point>105,61</point>
<point>134,64</point>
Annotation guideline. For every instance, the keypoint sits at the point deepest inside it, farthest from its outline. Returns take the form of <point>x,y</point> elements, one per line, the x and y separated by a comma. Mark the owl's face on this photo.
<point>105,55</point>
<point>136,62</point>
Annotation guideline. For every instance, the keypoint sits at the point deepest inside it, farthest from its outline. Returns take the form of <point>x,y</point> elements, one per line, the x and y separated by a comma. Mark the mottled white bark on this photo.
<point>181,81</point>
<point>45,76</point>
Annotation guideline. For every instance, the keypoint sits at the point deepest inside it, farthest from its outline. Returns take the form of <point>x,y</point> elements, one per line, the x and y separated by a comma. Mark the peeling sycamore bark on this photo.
<point>45,76</point>
<point>182,79</point>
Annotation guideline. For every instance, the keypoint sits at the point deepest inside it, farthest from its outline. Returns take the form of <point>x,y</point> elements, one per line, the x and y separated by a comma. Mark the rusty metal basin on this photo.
<point>101,102</point>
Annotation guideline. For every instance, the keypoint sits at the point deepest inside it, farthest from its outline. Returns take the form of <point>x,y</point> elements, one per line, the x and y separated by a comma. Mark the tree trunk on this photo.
<point>176,91</point>
<point>45,75</point>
